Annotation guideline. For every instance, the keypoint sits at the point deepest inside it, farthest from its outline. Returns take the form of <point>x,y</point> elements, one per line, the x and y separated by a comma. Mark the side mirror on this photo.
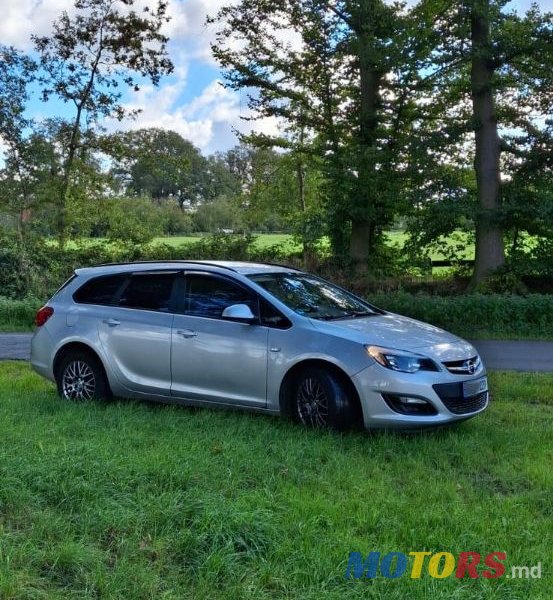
<point>239,312</point>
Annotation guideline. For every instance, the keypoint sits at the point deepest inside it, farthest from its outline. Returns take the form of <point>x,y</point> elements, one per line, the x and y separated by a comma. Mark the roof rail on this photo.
<point>157,262</point>
<point>272,264</point>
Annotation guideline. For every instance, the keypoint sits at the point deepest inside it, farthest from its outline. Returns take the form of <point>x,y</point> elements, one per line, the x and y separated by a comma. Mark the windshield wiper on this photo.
<point>349,315</point>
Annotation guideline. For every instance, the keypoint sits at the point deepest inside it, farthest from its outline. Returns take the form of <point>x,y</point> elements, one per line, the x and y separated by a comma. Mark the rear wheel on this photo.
<point>81,378</point>
<point>320,399</point>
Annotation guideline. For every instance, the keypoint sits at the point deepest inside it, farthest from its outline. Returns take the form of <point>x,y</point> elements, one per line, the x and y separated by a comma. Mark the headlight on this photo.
<point>397,360</point>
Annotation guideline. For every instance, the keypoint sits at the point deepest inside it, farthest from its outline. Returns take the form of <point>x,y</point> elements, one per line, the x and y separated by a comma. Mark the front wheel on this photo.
<point>320,399</point>
<point>81,378</point>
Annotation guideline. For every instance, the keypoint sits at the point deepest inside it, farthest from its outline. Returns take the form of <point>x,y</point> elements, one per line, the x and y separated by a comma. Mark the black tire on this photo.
<point>320,399</point>
<point>80,377</point>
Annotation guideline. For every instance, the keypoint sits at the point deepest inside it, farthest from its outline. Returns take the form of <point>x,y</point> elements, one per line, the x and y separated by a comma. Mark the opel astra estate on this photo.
<point>257,336</point>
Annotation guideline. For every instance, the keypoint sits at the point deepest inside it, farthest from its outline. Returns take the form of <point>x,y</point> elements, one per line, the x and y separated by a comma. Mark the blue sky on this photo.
<point>191,101</point>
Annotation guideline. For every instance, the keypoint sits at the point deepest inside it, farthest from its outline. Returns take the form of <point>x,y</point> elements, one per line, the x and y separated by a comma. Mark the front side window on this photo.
<point>209,295</point>
<point>312,297</point>
<point>148,291</point>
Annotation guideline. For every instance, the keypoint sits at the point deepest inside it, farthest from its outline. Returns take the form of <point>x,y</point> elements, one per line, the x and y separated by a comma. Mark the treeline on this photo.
<point>435,115</point>
<point>145,183</point>
<point>439,111</point>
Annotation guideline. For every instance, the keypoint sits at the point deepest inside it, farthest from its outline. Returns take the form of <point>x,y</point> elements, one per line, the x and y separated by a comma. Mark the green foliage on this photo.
<point>218,215</point>
<point>174,220</point>
<point>476,315</point>
<point>134,220</point>
<point>331,91</point>
<point>161,164</point>
<point>89,59</point>
<point>18,315</point>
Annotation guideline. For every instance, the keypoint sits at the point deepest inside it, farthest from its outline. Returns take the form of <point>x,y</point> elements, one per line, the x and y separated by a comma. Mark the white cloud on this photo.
<point>207,120</point>
<point>21,18</point>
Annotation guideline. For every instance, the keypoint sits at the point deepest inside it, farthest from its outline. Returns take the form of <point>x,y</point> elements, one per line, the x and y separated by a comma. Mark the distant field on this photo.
<point>395,238</point>
<point>263,240</point>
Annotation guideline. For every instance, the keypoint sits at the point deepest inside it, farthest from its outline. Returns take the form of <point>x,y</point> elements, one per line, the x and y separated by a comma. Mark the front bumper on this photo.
<point>442,390</point>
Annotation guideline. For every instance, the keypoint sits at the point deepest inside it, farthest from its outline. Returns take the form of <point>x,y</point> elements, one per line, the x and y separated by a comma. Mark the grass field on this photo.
<point>264,240</point>
<point>131,500</point>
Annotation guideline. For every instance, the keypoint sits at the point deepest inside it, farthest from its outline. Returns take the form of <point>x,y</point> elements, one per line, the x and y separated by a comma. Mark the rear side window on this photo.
<point>100,290</point>
<point>152,291</point>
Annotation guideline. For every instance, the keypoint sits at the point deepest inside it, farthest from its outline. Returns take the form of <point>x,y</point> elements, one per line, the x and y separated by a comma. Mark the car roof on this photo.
<point>241,267</point>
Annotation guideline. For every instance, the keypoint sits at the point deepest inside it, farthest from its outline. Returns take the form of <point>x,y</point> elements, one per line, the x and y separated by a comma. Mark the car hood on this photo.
<point>401,333</point>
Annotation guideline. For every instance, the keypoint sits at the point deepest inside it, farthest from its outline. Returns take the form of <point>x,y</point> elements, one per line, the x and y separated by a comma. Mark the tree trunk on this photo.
<point>490,250</point>
<point>308,250</point>
<point>370,76</point>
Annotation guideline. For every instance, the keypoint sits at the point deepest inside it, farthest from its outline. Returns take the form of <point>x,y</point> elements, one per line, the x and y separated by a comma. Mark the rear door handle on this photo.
<point>187,333</point>
<point>112,322</point>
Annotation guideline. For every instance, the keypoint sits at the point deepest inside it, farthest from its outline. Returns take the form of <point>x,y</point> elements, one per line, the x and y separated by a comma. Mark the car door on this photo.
<point>213,358</point>
<point>135,332</point>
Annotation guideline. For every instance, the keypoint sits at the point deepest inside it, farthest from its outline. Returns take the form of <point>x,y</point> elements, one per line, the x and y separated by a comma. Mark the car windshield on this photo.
<point>312,297</point>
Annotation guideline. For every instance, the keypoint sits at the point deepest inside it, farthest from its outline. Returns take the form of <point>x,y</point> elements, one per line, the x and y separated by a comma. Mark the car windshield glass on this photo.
<point>312,297</point>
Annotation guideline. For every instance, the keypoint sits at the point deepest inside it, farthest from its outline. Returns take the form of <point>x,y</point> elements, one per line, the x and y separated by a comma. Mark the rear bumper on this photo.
<point>375,381</point>
<point>42,346</point>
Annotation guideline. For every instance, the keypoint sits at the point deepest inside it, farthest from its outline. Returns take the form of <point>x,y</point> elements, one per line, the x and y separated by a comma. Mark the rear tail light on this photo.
<point>43,315</point>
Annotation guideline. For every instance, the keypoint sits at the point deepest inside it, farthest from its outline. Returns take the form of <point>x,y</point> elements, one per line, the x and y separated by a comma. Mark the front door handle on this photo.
<point>187,333</point>
<point>112,322</point>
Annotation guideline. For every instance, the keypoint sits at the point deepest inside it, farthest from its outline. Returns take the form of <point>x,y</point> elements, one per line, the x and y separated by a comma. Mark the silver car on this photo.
<point>257,336</point>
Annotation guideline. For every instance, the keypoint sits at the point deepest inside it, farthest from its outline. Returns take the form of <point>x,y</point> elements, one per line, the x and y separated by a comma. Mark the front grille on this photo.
<point>451,394</point>
<point>463,367</point>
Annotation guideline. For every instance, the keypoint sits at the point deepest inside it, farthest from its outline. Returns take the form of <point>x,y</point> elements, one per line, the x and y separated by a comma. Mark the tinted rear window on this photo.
<point>149,291</point>
<point>100,290</point>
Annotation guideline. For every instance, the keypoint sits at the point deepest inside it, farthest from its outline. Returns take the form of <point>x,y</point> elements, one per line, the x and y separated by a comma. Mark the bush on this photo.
<point>476,315</point>
<point>17,314</point>
<point>37,269</point>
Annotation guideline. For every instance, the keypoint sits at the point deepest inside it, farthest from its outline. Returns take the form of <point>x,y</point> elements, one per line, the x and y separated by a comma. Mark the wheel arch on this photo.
<point>69,347</point>
<point>294,370</point>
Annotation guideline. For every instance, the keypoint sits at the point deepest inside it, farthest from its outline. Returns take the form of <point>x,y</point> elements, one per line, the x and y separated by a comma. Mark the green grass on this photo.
<point>131,500</point>
<point>263,240</point>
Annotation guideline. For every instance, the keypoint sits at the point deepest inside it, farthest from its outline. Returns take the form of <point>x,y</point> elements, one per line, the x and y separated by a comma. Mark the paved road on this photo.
<point>499,355</point>
<point>516,356</point>
<point>15,346</point>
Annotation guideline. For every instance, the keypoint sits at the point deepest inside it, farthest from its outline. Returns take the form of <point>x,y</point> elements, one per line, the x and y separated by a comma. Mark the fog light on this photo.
<point>409,405</point>
<point>407,400</point>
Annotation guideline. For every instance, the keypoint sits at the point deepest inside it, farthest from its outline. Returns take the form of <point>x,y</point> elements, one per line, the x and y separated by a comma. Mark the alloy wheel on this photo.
<point>312,403</point>
<point>79,382</point>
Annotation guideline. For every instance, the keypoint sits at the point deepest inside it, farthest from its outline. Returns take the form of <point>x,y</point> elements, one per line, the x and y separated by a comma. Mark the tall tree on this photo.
<point>161,164</point>
<point>16,73</point>
<point>490,249</point>
<point>323,66</point>
<point>485,96</point>
<point>86,62</point>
